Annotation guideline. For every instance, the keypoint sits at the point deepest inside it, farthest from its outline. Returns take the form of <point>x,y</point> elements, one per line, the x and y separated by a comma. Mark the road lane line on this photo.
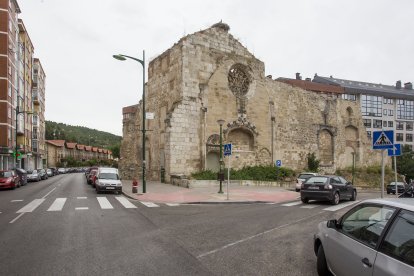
<point>31,206</point>
<point>81,197</point>
<point>340,206</point>
<point>125,202</point>
<point>104,202</point>
<point>292,203</point>
<point>16,200</point>
<point>17,218</point>
<point>257,235</point>
<point>81,208</point>
<point>57,205</point>
<point>149,204</point>
<point>49,192</point>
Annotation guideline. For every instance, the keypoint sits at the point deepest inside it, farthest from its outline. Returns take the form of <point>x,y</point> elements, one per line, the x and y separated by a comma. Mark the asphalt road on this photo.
<point>60,226</point>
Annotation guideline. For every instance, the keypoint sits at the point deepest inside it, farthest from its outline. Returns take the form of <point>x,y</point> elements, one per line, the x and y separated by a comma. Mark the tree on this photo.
<point>313,163</point>
<point>115,151</point>
<point>405,163</point>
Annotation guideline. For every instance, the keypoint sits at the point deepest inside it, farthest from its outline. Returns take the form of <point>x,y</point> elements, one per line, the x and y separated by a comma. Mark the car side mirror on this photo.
<point>333,223</point>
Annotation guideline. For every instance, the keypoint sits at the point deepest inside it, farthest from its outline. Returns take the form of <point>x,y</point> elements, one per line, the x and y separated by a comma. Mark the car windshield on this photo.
<point>305,176</point>
<point>5,174</point>
<point>316,180</point>
<point>112,176</point>
<point>32,172</point>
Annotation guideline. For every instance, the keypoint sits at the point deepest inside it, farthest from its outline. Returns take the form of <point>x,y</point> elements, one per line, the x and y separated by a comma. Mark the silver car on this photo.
<point>376,237</point>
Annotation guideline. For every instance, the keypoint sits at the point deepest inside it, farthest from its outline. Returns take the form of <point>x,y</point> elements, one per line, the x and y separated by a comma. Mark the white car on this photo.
<point>302,178</point>
<point>376,238</point>
<point>107,179</point>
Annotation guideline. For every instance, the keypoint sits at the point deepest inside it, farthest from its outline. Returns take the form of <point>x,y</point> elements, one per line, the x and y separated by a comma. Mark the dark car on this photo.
<point>43,174</point>
<point>9,179</point>
<point>331,188</point>
<point>33,175</point>
<point>22,175</point>
<point>391,188</point>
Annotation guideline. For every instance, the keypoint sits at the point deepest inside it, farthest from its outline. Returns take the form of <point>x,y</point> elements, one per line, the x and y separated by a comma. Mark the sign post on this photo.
<point>227,152</point>
<point>383,140</point>
<point>396,151</point>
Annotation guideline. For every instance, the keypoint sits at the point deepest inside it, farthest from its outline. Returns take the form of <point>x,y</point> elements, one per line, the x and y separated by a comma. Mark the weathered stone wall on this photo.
<point>209,76</point>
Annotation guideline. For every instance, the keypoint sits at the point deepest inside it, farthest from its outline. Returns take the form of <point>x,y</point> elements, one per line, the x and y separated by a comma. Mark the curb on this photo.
<point>228,202</point>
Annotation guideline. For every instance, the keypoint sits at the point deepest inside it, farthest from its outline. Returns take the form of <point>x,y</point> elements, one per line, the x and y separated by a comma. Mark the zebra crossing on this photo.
<point>58,204</point>
<point>333,208</point>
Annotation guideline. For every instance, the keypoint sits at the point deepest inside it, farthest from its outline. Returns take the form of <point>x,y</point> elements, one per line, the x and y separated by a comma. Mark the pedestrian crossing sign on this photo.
<point>227,149</point>
<point>383,139</point>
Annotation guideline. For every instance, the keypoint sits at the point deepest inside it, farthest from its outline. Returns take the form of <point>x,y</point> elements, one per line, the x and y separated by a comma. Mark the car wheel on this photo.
<point>321,265</point>
<point>388,193</point>
<point>354,195</point>
<point>297,190</point>
<point>335,199</point>
<point>305,200</point>
<point>14,187</point>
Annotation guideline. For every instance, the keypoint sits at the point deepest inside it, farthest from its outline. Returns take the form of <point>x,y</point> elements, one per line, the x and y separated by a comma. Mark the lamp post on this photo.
<point>15,144</point>
<point>221,176</point>
<point>124,57</point>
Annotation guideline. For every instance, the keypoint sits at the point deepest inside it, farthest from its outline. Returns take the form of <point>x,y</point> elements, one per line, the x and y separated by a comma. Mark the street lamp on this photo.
<point>15,144</point>
<point>124,57</point>
<point>221,174</point>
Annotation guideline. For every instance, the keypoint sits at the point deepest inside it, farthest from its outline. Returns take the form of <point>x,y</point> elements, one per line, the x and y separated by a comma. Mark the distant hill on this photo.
<point>83,135</point>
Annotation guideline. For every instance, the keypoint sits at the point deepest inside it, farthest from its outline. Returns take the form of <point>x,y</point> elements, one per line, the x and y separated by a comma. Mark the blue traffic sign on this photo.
<point>383,139</point>
<point>278,163</point>
<point>227,149</point>
<point>396,151</point>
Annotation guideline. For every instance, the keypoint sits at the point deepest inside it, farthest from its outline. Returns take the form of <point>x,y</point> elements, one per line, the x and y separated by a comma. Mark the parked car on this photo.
<point>91,177</point>
<point>43,174</point>
<point>33,175</point>
<point>22,175</point>
<point>107,179</point>
<point>54,171</point>
<point>409,192</point>
<point>61,170</point>
<point>332,188</point>
<point>88,171</point>
<point>9,179</point>
<point>49,173</point>
<point>400,186</point>
<point>375,237</point>
<point>302,178</point>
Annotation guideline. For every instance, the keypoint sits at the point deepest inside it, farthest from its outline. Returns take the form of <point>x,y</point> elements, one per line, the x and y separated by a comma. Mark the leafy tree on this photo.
<point>405,163</point>
<point>313,162</point>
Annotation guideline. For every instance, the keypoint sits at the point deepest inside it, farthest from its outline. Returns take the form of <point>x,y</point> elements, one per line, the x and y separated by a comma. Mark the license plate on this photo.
<point>110,188</point>
<point>313,188</point>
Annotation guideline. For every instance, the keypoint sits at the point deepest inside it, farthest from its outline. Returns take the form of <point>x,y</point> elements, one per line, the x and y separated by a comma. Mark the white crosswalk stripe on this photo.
<point>172,204</point>
<point>125,202</point>
<point>309,206</point>
<point>31,206</point>
<point>292,203</point>
<point>104,203</point>
<point>149,204</point>
<point>340,206</point>
<point>57,205</point>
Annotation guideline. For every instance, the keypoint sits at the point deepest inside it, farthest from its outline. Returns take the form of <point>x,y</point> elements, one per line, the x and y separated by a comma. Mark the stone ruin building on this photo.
<point>209,76</point>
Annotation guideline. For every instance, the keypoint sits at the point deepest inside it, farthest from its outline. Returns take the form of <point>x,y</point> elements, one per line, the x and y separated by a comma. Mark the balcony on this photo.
<point>35,97</point>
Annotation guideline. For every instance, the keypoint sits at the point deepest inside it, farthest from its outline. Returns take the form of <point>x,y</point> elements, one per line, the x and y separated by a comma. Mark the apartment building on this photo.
<point>39,124</point>
<point>384,107</point>
<point>9,33</point>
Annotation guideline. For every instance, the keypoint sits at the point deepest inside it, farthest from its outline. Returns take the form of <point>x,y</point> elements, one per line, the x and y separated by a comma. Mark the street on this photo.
<point>60,226</point>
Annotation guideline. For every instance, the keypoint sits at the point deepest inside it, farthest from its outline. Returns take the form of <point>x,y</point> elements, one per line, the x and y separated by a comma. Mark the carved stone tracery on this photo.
<point>239,80</point>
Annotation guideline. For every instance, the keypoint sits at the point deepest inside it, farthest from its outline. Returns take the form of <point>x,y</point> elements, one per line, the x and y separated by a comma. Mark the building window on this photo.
<point>405,110</point>
<point>400,137</point>
<point>400,126</point>
<point>367,123</point>
<point>390,123</point>
<point>385,100</point>
<point>371,105</point>
<point>409,126</point>
<point>384,123</point>
<point>349,97</point>
<point>369,134</point>
<point>384,112</point>
<point>408,137</point>
<point>391,112</point>
<point>377,124</point>
<point>389,101</point>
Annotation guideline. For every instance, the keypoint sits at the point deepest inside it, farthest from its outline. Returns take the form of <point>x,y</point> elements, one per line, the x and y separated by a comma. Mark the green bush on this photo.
<point>313,163</point>
<point>258,173</point>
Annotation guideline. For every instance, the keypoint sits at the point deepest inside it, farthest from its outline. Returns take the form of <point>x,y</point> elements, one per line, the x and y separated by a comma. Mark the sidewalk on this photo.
<point>166,193</point>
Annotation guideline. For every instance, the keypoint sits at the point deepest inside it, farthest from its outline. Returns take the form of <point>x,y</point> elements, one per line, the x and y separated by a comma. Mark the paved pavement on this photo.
<point>166,193</point>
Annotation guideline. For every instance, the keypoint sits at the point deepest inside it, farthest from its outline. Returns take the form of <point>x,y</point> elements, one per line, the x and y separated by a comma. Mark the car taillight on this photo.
<point>328,186</point>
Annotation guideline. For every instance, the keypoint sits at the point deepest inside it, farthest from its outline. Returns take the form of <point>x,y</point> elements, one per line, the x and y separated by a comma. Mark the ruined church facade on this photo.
<point>210,76</point>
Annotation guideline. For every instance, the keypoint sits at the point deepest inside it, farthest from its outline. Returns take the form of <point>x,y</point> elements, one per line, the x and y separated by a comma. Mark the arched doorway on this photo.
<point>326,148</point>
<point>212,161</point>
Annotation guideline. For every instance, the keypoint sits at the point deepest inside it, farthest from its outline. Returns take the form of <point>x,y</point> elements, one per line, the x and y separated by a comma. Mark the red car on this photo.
<point>92,177</point>
<point>9,179</point>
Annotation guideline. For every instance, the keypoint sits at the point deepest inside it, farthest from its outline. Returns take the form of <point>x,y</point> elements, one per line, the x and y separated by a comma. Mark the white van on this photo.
<point>107,179</point>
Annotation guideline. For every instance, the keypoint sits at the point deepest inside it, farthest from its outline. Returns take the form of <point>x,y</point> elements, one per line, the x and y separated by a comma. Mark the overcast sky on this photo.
<point>370,40</point>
